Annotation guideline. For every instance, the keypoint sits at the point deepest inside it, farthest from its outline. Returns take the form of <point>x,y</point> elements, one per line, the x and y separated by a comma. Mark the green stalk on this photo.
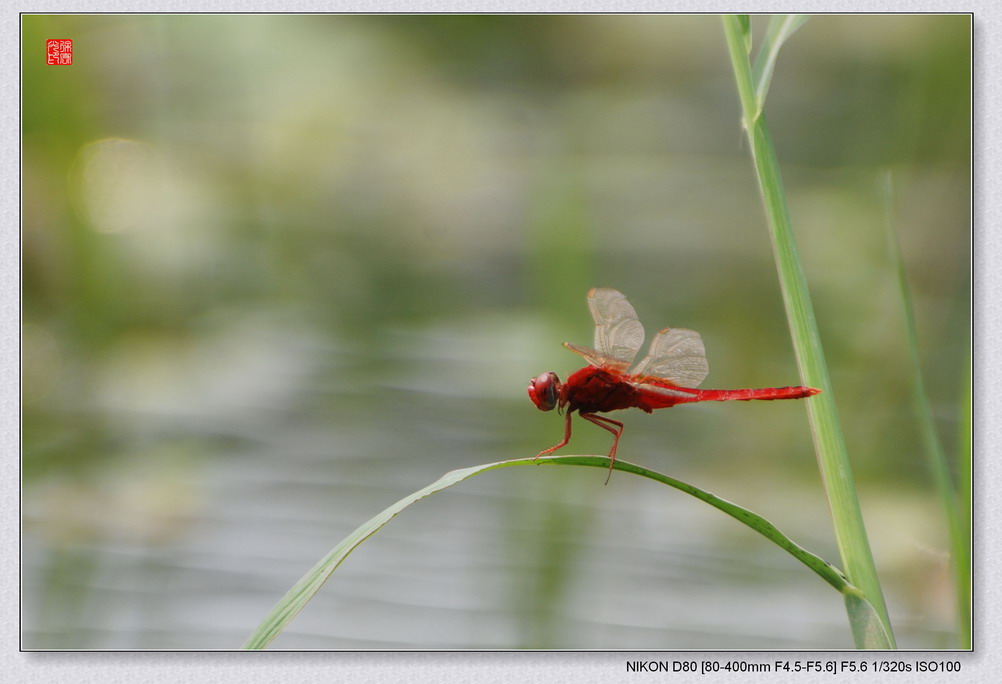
<point>829,444</point>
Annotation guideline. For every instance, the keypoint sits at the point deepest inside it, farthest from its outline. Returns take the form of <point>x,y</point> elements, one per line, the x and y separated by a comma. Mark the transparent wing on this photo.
<point>676,355</point>
<point>618,332</point>
<point>597,358</point>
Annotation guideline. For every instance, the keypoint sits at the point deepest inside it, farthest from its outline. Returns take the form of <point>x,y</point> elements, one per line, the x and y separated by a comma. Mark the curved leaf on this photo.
<point>300,594</point>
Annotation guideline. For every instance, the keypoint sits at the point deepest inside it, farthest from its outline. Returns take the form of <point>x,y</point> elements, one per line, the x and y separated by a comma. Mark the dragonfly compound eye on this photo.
<point>544,391</point>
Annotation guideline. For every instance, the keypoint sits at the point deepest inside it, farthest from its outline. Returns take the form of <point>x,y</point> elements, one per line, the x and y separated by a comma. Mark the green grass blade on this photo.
<point>300,594</point>
<point>744,23</point>
<point>829,442</point>
<point>823,568</point>
<point>931,443</point>
<point>781,27</point>
<point>963,586</point>
<point>304,590</point>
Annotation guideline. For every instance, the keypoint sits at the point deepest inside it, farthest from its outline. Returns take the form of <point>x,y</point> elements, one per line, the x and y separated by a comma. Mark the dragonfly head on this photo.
<point>544,390</point>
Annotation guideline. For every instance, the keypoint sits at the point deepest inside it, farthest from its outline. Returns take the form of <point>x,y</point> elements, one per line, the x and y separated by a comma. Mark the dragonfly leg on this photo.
<point>567,438</point>
<point>607,423</point>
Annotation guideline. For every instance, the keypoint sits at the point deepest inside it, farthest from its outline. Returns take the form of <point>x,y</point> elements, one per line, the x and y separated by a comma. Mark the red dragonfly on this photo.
<point>674,366</point>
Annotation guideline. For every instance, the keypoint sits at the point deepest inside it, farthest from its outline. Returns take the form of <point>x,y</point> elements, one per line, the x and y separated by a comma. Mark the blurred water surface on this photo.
<point>282,271</point>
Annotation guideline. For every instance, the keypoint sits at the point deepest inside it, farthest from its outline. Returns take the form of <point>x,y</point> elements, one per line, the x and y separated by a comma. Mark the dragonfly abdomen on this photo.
<point>764,393</point>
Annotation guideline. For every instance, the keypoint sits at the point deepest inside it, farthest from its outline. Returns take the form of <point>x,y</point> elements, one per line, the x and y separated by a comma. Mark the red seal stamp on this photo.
<point>59,51</point>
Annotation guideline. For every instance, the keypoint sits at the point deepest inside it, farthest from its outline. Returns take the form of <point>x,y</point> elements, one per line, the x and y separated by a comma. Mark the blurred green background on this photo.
<point>281,271</point>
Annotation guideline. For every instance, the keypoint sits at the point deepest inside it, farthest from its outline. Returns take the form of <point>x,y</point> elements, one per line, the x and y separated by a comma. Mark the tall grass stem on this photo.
<point>829,442</point>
